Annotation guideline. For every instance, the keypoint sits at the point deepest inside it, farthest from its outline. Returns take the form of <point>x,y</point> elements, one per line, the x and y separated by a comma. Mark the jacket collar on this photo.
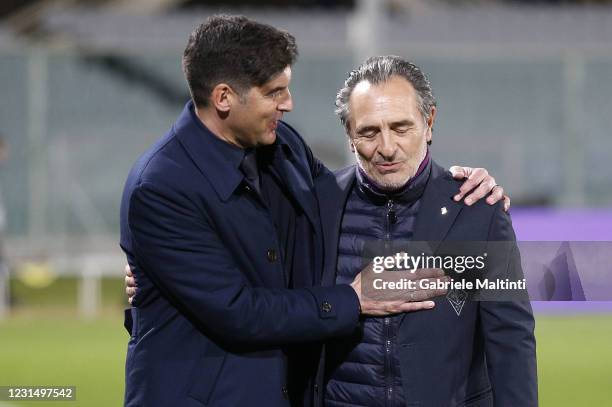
<point>218,160</point>
<point>409,192</point>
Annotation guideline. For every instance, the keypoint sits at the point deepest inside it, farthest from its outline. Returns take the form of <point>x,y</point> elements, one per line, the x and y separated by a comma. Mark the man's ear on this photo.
<point>222,97</point>
<point>430,123</point>
<point>351,144</point>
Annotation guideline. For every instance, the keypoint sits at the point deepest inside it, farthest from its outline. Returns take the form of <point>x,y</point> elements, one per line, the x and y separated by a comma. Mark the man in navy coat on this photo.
<point>460,353</point>
<point>221,227</point>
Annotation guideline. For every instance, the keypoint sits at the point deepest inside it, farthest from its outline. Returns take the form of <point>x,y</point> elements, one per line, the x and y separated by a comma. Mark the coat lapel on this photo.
<point>438,210</point>
<point>299,186</point>
<point>333,191</point>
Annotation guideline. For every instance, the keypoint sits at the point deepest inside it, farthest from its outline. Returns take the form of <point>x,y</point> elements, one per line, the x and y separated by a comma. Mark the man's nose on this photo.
<point>387,145</point>
<point>286,105</point>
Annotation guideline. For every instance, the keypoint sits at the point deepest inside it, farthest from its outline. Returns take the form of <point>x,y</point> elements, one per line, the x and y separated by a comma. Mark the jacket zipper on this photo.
<point>388,363</point>
<point>390,220</point>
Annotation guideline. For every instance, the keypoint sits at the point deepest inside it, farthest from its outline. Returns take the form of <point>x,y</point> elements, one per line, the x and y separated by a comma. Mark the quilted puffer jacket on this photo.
<point>364,370</point>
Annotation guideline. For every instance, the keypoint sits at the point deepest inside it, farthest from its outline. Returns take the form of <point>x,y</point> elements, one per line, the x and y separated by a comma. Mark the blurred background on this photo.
<point>524,88</point>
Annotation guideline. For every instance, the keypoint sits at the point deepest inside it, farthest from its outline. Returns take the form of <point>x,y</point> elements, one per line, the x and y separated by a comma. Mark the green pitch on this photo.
<point>64,351</point>
<point>575,358</point>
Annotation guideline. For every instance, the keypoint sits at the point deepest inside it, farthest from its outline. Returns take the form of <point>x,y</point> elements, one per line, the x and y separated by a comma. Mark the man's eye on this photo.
<point>402,129</point>
<point>275,94</point>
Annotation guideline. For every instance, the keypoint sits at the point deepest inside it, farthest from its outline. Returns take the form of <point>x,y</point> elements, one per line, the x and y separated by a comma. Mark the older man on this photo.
<point>460,353</point>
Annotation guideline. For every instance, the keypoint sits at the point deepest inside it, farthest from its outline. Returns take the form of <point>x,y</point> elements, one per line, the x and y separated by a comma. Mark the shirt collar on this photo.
<point>410,191</point>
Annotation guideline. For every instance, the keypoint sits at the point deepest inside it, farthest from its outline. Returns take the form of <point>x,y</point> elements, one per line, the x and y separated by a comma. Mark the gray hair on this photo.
<point>378,70</point>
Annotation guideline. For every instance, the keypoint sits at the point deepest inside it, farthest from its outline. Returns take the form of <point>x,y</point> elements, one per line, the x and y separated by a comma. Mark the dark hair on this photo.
<point>233,49</point>
<point>379,70</point>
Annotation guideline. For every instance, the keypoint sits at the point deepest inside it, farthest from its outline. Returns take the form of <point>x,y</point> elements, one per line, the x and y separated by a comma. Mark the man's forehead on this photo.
<point>362,87</point>
<point>395,85</point>
<point>391,101</point>
<point>281,79</point>
<point>391,93</point>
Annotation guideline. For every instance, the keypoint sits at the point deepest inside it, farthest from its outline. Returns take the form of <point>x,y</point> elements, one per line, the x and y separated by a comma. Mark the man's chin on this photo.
<point>389,183</point>
<point>267,139</point>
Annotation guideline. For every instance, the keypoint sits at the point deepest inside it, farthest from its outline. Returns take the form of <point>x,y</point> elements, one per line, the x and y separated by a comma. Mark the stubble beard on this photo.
<point>388,185</point>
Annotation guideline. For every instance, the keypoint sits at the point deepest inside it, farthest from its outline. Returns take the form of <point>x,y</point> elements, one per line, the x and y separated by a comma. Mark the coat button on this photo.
<point>271,254</point>
<point>326,306</point>
<point>316,388</point>
<point>285,392</point>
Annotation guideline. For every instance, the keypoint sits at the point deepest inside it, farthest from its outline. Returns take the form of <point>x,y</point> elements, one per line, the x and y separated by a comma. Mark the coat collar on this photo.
<point>218,160</point>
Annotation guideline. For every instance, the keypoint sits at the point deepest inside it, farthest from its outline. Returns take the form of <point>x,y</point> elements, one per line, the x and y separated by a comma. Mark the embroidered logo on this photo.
<point>457,299</point>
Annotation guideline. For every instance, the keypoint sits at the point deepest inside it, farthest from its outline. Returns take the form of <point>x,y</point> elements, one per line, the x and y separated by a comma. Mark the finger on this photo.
<point>394,307</point>
<point>506,203</point>
<point>128,270</point>
<point>497,193</point>
<point>130,299</point>
<point>460,172</point>
<point>383,308</point>
<point>376,308</point>
<point>416,306</point>
<point>422,295</point>
<point>474,179</point>
<point>130,282</point>
<point>485,187</point>
<point>130,291</point>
